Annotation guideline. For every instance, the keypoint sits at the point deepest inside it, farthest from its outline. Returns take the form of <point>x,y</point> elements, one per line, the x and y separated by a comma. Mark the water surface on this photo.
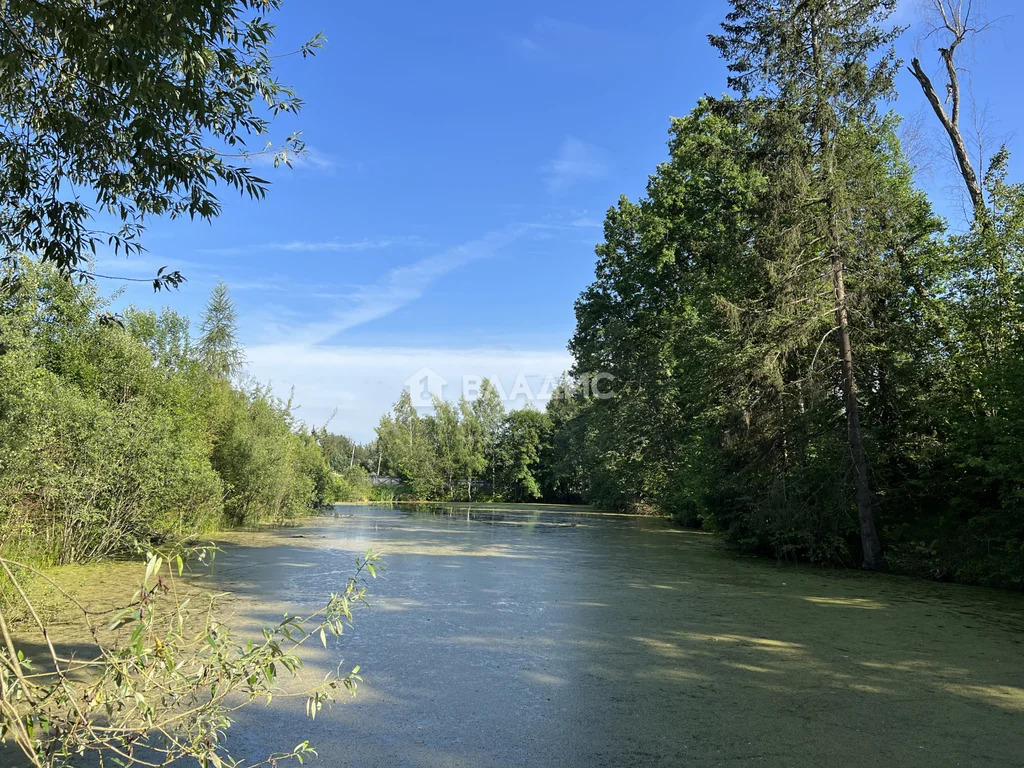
<point>532,636</point>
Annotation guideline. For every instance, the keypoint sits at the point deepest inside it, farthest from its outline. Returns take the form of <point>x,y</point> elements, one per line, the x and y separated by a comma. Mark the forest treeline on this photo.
<point>121,429</point>
<point>464,451</point>
<point>807,359</point>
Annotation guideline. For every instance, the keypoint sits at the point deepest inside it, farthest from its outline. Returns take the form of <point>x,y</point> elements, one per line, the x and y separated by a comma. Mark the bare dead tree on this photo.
<point>953,20</point>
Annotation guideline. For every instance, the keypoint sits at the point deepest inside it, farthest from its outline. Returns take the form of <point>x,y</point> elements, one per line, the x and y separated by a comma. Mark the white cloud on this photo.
<point>362,383</point>
<point>576,162</point>
<point>586,222</point>
<point>401,286</point>
<point>558,39</point>
<point>335,245</point>
<point>314,158</point>
<point>366,244</point>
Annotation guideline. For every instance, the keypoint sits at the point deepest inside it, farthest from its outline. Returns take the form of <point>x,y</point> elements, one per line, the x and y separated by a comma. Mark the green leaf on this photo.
<point>152,567</point>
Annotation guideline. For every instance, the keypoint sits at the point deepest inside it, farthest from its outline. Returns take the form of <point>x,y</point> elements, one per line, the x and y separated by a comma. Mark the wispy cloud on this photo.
<point>403,285</point>
<point>557,36</point>
<point>586,222</point>
<point>576,162</point>
<point>317,160</point>
<point>529,44</point>
<point>275,284</point>
<point>366,244</point>
<point>333,245</point>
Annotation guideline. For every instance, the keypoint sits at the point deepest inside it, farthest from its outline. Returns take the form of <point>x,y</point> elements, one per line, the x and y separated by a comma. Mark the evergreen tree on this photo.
<point>218,346</point>
<point>827,63</point>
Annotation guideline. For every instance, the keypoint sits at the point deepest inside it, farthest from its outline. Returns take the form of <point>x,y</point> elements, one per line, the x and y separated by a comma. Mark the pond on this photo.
<point>547,636</point>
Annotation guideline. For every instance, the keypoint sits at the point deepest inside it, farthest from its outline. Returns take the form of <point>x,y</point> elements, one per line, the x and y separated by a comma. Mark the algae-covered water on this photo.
<point>552,636</point>
<point>533,636</point>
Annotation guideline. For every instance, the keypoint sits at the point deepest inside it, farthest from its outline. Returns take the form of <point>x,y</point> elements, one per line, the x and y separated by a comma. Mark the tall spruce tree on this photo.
<point>828,63</point>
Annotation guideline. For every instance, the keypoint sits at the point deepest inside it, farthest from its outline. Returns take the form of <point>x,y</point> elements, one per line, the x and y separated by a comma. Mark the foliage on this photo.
<point>269,471</point>
<point>383,494</point>
<point>781,221</point>
<point>464,450</point>
<point>407,448</point>
<point>341,452</point>
<point>112,434</point>
<point>488,413</point>
<point>218,345</point>
<point>165,677</point>
<point>518,454</point>
<point>351,484</point>
<point>564,447</point>
<point>146,108</point>
<point>823,68</point>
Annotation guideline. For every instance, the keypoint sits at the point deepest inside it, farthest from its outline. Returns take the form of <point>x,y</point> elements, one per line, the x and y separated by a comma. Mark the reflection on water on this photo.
<point>530,635</point>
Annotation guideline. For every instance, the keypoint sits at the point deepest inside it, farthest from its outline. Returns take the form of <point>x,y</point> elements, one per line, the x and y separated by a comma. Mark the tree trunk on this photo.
<point>873,559</point>
<point>951,123</point>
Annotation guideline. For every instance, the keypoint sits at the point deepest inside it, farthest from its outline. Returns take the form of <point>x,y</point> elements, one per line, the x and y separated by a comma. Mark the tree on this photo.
<point>815,58</point>
<point>518,452</point>
<point>445,434</point>
<point>407,448</point>
<point>120,110</point>
<point>440,454</point>
<point>165,334</point>
<point>712,306</point>
<point>563,468</point>
<point>489,413</point>
<point>218,346</point>
<point>473,440</point>
<point>972,472</point>
<point>114,434</point>
<point>659,317</point>
<point>953,19</point>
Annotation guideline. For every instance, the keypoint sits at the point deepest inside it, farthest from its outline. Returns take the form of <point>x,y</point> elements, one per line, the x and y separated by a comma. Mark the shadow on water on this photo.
<point>531,636</point>
<point>540,637</point>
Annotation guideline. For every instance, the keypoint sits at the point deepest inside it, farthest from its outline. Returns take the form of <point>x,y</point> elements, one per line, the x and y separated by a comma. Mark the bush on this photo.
<point>383,493</point>
<point>165,676</point>
<point>351,484</point>
<point>115,433</point>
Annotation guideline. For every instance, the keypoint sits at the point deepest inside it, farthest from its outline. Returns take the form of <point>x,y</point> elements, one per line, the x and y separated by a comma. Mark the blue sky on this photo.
<point>462,155</point>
